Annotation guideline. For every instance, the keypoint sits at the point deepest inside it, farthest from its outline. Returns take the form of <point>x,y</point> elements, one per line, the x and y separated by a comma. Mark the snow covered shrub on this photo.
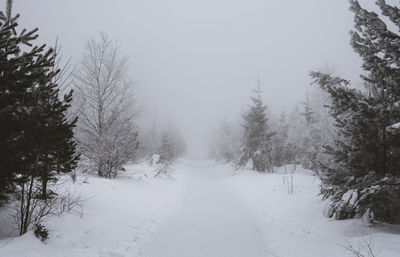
<point>41,232</point>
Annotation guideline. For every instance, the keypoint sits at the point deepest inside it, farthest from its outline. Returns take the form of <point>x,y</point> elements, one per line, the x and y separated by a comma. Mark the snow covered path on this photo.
<point>205,210</point>
<point>211,223</point>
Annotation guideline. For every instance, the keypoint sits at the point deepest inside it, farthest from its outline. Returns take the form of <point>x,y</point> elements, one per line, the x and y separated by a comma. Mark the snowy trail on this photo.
<point>211,223</point>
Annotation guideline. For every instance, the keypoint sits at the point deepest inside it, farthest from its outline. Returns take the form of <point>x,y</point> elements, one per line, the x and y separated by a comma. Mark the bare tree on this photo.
<point>106,107</point>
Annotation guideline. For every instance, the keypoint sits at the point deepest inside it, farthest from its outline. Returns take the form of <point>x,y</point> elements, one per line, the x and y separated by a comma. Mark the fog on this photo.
<point>195,62</point>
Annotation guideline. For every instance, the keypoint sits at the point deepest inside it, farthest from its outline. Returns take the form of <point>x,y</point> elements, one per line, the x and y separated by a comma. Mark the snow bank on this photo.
<point>117,217</point>
<point>293,225</point>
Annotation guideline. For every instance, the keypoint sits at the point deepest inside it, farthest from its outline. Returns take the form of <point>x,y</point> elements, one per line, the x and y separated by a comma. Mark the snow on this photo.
<point>393,127</point>
<point>205,209</point>
<point>118,216</point>
<point>350,197</point>
<point>211,221</point>
<point>293,225</point>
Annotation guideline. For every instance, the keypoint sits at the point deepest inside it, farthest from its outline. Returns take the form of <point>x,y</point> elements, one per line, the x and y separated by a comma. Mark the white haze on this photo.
<point>195,61</point>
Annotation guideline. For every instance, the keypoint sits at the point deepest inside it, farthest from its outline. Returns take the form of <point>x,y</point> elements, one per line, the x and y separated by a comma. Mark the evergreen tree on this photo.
<point>36,138</point>
<point>281,155</point>
<point>364,175</point>
<point>20,72</point>
<point>294,140</point>
<point>310,136</point>
<point>308,113</point>
<point>54,131</point>
<point>257,141</point>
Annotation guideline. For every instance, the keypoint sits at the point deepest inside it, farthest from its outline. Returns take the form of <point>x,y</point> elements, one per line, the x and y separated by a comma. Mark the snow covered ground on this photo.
<point>118,216</point>
<point>293,225</point>
<point>211,223</point>
<point>207,210</point>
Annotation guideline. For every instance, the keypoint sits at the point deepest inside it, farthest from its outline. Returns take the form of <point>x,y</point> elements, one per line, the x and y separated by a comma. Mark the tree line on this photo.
<point>351,138</point>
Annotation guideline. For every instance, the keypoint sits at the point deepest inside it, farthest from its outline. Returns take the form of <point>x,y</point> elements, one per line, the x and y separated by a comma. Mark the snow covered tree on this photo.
<point>149,140</point>
<point>225,142</point>
<point>293,142</point>
<point>166,149</point>
<point>365,177</point>
<point>280,148</point>
<point>257,140</point>
<point>107,137</point>
<point>310,136</point>
<point>354,152</point>
<point>172,145</point>
<point>364,174</point>
<point>308,112</point>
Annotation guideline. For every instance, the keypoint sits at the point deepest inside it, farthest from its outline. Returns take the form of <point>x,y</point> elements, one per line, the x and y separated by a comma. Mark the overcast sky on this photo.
<point>195,61</point>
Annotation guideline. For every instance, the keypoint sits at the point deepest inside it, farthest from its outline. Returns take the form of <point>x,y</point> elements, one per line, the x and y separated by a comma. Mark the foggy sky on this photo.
<point>196,61</point>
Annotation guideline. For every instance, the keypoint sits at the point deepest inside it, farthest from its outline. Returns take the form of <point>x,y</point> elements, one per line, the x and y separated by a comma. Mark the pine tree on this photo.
<point>257,140</point>
<point>36,138</point>
<point>353,152</point>
<point>57,152</point>
<point>20,71</point>
<point>310,136</point>
<point>364,175</point>
<point>281,155</point>
<point>294,140</point>
<point>308,113</point>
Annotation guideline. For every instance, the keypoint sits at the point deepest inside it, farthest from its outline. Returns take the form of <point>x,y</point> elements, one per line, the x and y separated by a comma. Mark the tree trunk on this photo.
<point>27,214</point>
<point>384,151</point>
<point>22,212</point>
<point>44,187</point>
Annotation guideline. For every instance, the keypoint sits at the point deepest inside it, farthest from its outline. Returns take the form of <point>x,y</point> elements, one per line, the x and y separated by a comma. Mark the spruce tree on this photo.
<point>365,173</point>
<point>19,72</point>
<point>36,136</point>
<point>310,136</point>
<point>53,130</point>
<point>257,140</point>
<point>280,149</point>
